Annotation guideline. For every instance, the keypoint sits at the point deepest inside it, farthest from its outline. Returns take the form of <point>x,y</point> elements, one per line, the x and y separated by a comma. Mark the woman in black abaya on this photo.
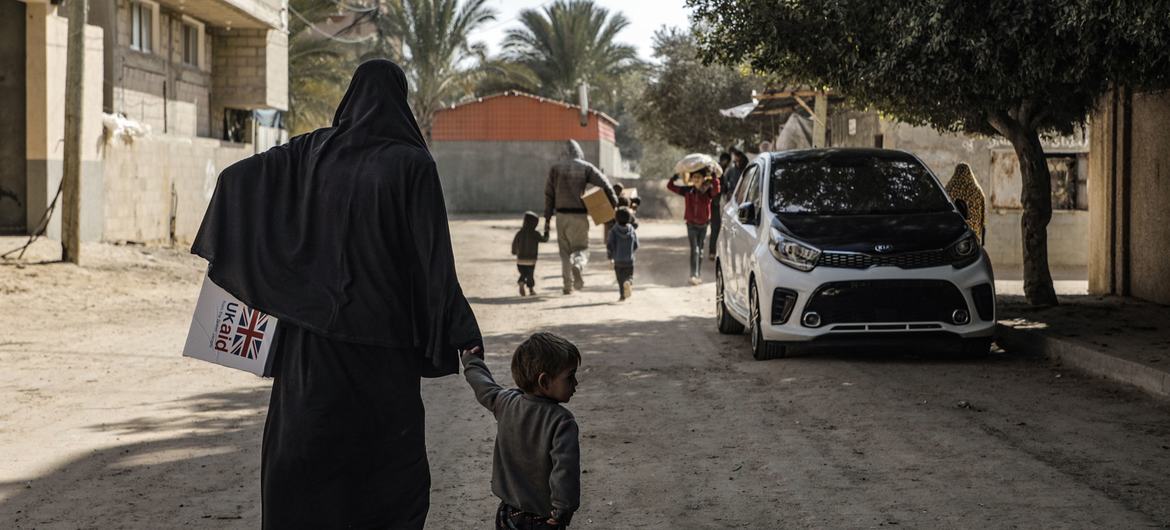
<point>342,235</point>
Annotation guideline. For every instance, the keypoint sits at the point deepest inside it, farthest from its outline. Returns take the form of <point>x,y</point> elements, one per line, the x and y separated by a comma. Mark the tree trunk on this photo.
<point>1036,196</point>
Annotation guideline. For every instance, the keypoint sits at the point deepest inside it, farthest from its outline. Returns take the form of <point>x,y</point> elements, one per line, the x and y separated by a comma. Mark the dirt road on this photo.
<point>103,425</point>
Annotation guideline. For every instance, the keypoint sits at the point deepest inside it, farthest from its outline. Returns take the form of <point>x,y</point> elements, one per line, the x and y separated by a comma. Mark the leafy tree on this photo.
<point>683,96</point>
<point>1015,68</point>
<point>429,39</point>
<point>570,42</point>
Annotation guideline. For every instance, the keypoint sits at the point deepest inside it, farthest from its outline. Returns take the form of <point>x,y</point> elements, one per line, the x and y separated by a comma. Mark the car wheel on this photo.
<point>976,348</point>
<point>762,349</point>
<point>728,325</point>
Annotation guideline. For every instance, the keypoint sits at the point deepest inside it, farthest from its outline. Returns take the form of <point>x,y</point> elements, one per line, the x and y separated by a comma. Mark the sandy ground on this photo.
<point>104,425</point>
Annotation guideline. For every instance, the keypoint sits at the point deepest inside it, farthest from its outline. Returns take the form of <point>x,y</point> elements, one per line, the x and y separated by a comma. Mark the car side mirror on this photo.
<point>964,210</point>
<point>747,213</point>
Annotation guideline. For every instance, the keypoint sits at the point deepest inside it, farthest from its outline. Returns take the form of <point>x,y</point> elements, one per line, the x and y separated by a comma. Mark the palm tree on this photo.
<point>429,38</point>
<point>319,64</point>
<point>569,43</point>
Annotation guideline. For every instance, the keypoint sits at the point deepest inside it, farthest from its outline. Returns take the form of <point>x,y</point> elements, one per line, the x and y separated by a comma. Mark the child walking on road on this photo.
<point>525,248</point>
<point>622,243</point>
<point>536,465</point>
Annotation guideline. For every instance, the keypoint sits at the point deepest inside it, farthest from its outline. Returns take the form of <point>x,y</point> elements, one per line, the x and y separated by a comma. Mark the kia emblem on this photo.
<point>883,248</point>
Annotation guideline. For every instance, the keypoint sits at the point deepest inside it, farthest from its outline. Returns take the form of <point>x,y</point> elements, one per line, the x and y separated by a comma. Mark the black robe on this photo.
<point>342,235</point>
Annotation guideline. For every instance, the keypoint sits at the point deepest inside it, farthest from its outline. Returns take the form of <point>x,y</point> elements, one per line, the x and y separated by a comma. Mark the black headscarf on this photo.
<point>343,231</point>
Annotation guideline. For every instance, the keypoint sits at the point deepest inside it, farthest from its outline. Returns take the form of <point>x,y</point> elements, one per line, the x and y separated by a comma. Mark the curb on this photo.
<point>1085,358</point>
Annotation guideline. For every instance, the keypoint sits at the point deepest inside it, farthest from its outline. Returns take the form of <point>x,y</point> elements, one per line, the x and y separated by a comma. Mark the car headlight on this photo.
<point>965,251</point>
<point>795,254</point>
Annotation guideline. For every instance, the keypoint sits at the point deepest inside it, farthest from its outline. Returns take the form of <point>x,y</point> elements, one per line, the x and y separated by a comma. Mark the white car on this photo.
<point>824,244</point>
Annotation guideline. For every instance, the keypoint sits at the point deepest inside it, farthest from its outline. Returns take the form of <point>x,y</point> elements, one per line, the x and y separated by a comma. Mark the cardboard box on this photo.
<point>226,332</point>
<point>597,203</point>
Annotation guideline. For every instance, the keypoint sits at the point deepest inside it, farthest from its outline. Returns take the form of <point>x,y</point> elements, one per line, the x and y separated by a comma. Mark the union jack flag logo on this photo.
<point>249,333</point>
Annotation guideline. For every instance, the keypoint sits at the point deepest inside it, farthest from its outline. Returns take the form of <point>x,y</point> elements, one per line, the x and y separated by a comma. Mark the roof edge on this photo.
<point>513,93</point>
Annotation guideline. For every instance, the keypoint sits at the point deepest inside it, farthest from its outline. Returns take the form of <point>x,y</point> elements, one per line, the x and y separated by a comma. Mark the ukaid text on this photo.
<point>224,331</point>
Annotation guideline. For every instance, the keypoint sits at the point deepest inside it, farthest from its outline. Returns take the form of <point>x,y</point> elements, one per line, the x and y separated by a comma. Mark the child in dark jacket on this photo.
<point>622,243</point>
<point>525,248</point>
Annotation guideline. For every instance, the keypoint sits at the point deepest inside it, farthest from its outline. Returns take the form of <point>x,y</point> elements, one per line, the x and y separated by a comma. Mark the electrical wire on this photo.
<point>42,225</point>
<point>330,35</point>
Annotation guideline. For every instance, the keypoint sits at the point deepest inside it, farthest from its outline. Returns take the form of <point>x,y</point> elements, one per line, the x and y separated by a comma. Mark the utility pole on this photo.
<point>820,119</point>
<point>74,89</point>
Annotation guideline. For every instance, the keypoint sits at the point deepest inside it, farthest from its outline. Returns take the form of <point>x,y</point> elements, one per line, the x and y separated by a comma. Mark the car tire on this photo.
<point>728,325</point>
<point>976,348</point>
<point>762,350</point>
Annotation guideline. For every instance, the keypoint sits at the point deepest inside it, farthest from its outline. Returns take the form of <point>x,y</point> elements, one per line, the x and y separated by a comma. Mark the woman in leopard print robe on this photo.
<point>964,187</point>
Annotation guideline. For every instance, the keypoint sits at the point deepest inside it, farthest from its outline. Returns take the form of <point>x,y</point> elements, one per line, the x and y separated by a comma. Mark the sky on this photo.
<point>645,17</point>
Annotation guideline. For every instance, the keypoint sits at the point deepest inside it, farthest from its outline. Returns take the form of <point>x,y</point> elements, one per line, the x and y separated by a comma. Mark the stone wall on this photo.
<point>492,176</point>
<point>1068,239</point>
<point>251,71</point>
<point>1129,190</point>
<point>157,187</point>
<point>1150,194</point>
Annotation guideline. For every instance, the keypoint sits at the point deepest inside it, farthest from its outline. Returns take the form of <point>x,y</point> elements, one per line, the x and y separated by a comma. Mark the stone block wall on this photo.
<point>251,71</point>
<point>157,188</point>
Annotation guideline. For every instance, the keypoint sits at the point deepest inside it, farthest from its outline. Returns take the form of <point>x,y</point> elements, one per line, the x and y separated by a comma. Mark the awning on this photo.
<point>740,111</point>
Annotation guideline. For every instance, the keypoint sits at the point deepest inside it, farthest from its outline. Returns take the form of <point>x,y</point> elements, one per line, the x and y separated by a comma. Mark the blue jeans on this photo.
<point>696,235</point>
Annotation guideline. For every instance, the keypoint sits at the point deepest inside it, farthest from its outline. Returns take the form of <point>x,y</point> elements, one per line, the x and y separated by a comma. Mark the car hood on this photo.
<point>862,233</point>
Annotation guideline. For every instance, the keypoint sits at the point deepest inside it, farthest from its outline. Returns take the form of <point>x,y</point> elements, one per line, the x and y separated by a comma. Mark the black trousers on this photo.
<point>623,272</point>
<point>526,275</point>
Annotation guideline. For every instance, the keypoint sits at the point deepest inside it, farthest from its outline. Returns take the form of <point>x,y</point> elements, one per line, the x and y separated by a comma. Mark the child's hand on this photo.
<point>476,351</point>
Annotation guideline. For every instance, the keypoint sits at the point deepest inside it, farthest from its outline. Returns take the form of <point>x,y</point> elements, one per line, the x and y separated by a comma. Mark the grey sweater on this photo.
<point>536,465</point>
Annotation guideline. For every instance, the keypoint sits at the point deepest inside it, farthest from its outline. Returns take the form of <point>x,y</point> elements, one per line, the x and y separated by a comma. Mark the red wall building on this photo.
<point>494,152</point>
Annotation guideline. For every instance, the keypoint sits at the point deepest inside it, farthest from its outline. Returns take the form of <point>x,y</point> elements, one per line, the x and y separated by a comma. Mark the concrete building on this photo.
<point>186,75</point>
<point>995,164</point>
<point>494,153</point>
<point>1129,187</point>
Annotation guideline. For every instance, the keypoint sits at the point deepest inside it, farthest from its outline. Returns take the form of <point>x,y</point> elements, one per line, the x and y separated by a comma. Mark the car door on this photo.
<point>727,240</point>
<point>749,233</point>
<point>740,241</point>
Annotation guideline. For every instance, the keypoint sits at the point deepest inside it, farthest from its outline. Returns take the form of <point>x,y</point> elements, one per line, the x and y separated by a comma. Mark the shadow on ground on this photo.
<point>181,476</point>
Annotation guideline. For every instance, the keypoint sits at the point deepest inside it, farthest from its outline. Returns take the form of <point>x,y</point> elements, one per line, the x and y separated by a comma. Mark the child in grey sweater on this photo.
<point>536,464</point>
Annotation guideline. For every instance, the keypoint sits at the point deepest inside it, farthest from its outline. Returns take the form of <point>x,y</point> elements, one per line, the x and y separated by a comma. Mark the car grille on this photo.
<point>886,301</point>
<point>905,260</point>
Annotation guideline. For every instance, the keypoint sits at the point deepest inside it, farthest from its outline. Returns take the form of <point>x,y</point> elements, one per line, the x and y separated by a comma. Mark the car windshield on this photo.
<point>863,184</point>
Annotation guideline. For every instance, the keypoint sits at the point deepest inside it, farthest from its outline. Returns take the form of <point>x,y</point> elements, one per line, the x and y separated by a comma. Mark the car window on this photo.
<point>745,182</point>
<point>753,191</point>
<point>854,184</point>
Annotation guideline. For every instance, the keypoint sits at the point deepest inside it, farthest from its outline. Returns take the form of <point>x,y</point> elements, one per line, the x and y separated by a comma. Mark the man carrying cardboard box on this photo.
<point>562,195</point>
